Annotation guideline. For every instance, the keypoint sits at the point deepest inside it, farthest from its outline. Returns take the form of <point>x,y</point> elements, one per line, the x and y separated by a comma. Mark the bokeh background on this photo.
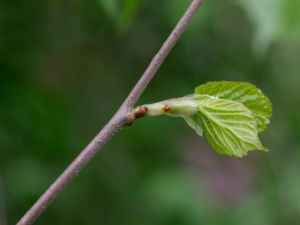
<point>65,67</point>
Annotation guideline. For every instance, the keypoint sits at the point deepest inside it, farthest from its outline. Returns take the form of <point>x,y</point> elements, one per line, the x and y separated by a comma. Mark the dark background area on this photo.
<point>65,67</point>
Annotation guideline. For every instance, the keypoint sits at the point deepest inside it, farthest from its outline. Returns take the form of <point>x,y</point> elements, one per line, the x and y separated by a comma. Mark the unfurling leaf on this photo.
<point>229,114</point>
<point>242,92</point>
<point>229,126</point>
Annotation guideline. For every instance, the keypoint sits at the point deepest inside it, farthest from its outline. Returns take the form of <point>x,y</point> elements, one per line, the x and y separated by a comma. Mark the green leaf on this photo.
<point>229,126</point>
<point>245,93</point>
<point>229,114</point>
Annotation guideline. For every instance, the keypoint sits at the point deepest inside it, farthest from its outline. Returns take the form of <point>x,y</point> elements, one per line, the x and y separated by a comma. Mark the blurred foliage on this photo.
<point>274,20</point>
<point>122,13</point>
<point>65,66</point>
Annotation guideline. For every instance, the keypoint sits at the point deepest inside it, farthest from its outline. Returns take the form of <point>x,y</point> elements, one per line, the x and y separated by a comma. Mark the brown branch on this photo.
<point>124,116</point>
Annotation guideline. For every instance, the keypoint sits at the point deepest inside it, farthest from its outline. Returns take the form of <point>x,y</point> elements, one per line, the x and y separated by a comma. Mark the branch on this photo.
<point>162,53</point>
<point>124,116</point>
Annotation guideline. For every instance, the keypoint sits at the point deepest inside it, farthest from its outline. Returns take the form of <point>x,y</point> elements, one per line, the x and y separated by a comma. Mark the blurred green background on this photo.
<point>65,67</point>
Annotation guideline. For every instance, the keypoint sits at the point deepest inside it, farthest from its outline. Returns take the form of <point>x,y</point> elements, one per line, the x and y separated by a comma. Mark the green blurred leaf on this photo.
<point>129,11</point>
<point>110,7</point>
<point>121,13</point>
<point>273,20</point>
<point>242,92</point>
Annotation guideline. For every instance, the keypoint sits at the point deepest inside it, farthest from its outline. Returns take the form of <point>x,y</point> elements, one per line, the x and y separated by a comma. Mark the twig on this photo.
<point>124,116</point>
